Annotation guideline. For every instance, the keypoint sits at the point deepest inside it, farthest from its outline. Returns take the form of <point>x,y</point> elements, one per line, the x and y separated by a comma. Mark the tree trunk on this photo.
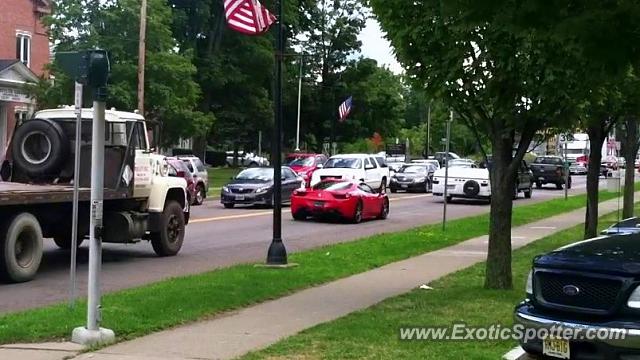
<point>630,148</point>
<point>596,139</point>
<point>498,272</point>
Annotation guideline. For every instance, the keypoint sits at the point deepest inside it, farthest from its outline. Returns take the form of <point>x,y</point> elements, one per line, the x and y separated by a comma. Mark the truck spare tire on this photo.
<point>40,148</point>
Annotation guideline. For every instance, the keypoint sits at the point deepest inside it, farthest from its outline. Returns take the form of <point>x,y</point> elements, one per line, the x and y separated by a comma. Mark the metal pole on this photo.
<point>566,172</point>
<point>277,254</point>
<point>95,230</point>
<point>428,130</point>
<point>259,142</point>
<point>446,172</point>
<point>141,55</point>
<point>76,193</point>
<point>299,99</point>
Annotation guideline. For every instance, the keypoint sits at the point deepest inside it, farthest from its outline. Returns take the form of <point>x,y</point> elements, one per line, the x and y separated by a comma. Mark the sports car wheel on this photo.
<point>384,212</point>
<point>299,215</point>
<point>357,215</point>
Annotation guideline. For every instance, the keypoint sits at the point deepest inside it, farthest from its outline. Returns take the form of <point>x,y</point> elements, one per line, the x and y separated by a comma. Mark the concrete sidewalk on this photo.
<point>233,334</point>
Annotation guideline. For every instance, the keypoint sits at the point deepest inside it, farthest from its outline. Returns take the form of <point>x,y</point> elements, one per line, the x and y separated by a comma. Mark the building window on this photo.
<point>23,48</point>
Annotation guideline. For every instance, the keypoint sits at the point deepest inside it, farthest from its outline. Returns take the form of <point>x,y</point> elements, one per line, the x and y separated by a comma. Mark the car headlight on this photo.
<point>263,189</point>
<point>529,287</point>
<point>163,167</point>
<point>225,189</point>
<point>419,180</point>
<point>634,299</point>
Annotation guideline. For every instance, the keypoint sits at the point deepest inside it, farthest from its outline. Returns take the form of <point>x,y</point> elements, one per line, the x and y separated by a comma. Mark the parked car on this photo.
<point>200,176</point>
<point>348,200</point>
<point>592,285</point>
<point>305,164</point>
<point>177,168</point>
<point>413,177</point>
<point>441,156</point>
<point>474,183</point>
<point>578,168</point>
<point>254,186</point>
<point>369,169</point>
<point>550,170</point>
<point>247,159</point>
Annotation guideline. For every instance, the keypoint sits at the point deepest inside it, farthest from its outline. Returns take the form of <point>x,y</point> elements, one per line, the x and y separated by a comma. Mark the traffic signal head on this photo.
<point>88,67</point>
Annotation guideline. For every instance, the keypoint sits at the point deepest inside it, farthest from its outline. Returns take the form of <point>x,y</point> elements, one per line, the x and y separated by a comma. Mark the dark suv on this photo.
<point>591,286</point>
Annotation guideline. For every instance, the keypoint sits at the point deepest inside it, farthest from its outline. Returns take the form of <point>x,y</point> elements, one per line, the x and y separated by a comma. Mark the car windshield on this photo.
<point>261,174</point>
<point>413,169</point>
<point>300,161</point>
<point>547,160</point>
<point>332,186</point>
<point>348,163</point>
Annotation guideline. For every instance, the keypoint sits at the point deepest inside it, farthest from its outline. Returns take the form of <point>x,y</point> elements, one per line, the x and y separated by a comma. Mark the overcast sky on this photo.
<point>375,46</point>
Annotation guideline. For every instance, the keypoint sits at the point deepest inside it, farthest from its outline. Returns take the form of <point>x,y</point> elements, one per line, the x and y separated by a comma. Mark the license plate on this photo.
<point>557,348</point>
<point>540,178</point>
<point>541,170</point>
<point>318,204</point>
<point>404,186</point>
<point>239,197</point>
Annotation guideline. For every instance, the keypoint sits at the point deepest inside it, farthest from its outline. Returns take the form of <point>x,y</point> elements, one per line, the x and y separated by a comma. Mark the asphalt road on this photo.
<point>218,237</point>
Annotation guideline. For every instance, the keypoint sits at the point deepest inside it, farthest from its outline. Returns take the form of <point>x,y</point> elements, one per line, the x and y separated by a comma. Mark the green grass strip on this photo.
<point>373,333</point>
<point>140,311</point>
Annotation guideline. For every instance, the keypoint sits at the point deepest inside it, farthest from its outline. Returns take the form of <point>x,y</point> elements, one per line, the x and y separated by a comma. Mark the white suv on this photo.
<point>370,169</point>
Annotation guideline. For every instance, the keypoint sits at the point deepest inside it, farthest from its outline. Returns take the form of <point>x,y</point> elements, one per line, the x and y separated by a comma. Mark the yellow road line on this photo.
<point>260,213</point>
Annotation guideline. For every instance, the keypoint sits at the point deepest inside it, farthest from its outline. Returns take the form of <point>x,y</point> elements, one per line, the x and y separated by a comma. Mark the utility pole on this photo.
<point>299,99</point>
<point>277,254</point>
<point>141,55</point>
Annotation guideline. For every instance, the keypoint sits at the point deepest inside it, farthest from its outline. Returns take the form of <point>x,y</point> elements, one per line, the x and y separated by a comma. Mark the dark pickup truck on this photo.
<point>589,293</point>
<point>550,170</point>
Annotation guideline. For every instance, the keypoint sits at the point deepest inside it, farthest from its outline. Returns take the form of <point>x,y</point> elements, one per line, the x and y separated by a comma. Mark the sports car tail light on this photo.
<point>342,196</point>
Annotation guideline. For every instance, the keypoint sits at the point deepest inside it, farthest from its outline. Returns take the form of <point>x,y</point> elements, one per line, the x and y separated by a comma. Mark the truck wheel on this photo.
<point>40,148</point>
<point>21,251</point>
<point>168,241</point>
<point>538,185</point>
<point>559,185</point>
<point>200,194</point>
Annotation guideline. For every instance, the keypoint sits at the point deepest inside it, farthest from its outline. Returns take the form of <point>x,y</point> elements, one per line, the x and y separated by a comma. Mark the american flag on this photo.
<point>248,16</point>
<point>345,108</point>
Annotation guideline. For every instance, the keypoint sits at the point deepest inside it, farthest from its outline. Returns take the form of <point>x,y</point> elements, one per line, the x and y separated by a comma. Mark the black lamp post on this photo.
<point>277,254</point>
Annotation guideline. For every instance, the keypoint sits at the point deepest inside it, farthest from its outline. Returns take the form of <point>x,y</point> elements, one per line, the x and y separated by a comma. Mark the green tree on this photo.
<point>506,82</point>
<point>171,94</point>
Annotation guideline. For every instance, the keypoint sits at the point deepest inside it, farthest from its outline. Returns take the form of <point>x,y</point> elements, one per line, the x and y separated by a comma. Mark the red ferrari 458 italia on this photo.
<point>342,199</point>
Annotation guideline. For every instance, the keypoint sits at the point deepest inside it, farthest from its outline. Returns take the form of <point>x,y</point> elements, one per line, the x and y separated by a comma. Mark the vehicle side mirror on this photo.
<point>368,167</point>
<point>320,166</point>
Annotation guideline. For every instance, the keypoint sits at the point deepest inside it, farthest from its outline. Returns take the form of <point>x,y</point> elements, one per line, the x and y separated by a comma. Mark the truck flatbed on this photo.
<point>12,193</point>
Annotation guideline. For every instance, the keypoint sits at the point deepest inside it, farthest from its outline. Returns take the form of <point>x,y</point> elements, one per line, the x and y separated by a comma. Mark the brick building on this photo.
<point>24,52</point>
